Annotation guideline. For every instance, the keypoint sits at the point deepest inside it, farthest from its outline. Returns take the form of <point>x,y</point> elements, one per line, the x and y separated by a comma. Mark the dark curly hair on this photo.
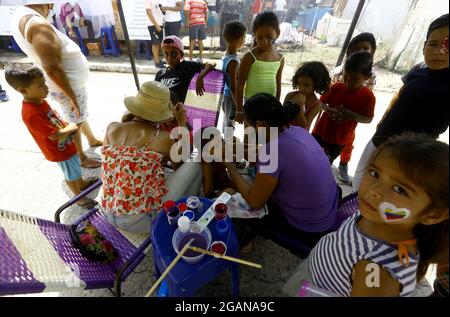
<point>266,19</point>
<point>363,37</point>
<point>317,72</point>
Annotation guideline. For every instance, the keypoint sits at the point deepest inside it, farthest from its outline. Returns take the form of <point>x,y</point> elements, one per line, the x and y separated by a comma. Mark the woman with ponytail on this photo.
<point>293,175</point>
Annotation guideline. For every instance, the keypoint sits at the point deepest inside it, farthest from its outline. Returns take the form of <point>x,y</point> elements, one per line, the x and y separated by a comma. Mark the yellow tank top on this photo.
<point>262,77</point>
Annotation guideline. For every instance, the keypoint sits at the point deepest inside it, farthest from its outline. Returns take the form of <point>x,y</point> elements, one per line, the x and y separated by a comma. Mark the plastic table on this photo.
<point>184,279</point>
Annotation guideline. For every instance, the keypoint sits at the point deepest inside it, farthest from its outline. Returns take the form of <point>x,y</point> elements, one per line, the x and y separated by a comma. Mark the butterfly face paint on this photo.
<point>444,46</point>
<point>390,213</point>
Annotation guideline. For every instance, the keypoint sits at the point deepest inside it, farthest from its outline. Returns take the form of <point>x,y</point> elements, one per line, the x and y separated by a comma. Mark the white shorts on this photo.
<point>65,102</point>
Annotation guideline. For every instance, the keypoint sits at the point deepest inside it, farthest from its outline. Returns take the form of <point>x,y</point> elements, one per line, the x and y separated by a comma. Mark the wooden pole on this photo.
<point>226,257</point>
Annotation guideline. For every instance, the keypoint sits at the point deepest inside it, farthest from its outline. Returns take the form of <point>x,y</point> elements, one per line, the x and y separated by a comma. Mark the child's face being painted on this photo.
<point>386,195</point>
<point>265,37</point>
<point>305,85</point>
<point>37,90</point>
<point>363,46</point>
<point>354,80</point>
<point>172,55</point>
<point>436,49</point>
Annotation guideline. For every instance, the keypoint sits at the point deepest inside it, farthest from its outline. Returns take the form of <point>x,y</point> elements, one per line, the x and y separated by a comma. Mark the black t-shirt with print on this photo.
<point>422,106</point>
<point>179,78</point>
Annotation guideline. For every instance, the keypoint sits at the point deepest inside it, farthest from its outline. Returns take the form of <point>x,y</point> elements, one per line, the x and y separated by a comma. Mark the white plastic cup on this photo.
<point>184,224</point>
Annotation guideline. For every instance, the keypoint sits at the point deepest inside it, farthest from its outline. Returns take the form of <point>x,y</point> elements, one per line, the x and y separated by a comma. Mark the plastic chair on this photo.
<point>143,50</point>
<point>347,207</point>
<point>207,107</point>
<point>184,279</point>
<point>80,43</point>
<point>110,44</point>
<point>37,255</point>
<point>10,44</point>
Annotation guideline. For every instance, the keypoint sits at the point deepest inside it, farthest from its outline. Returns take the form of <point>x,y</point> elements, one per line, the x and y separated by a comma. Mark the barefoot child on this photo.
<point>54,137</point>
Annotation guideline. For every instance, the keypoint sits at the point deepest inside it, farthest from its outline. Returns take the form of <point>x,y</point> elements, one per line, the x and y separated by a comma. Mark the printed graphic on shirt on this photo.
<point>444,46</point>
<point>56,121</point>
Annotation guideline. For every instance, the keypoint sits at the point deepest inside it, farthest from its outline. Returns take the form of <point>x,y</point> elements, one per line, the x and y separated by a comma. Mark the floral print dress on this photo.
<point>133,180</point>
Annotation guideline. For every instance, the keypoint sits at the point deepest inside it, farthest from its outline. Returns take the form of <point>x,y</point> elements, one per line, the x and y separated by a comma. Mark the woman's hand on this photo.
<point>179,113</point>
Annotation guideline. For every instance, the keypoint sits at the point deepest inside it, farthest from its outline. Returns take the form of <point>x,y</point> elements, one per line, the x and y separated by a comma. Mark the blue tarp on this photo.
<point>305,18</point>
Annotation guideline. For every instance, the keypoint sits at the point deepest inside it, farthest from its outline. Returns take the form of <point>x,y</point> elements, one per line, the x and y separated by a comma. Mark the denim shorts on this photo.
<point>197,32</point>
<point>71,168</point>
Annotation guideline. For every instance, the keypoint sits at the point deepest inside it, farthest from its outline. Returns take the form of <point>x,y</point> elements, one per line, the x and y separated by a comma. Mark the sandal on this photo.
<point>97,143</point>
<point>91,181</point>
<point>90,163</point>
<point>88,204</point>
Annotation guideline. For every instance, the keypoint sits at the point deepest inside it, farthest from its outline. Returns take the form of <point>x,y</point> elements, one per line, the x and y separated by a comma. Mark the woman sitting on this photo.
<point>293,176</point>
<point>133,157</point>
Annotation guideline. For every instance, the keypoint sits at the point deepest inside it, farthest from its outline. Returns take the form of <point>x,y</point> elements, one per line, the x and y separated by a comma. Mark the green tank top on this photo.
<point>262,77</point>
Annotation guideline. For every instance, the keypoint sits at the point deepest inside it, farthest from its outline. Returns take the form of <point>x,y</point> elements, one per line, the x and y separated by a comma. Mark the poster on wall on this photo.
<point>6,13</point>
<point>137,19</point>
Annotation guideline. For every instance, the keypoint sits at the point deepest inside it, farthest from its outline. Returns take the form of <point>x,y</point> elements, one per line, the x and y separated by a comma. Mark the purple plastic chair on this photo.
<point>207,107</point>
<point>37,255</point>
<point>347,207</point>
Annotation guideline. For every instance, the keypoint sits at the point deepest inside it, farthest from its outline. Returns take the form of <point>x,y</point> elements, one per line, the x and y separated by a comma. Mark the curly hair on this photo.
<point>317,72</point>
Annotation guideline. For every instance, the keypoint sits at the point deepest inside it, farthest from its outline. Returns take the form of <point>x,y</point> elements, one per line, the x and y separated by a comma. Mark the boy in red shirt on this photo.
<point>196,11</point>
<point>345,105</point>
<point>54,137</point>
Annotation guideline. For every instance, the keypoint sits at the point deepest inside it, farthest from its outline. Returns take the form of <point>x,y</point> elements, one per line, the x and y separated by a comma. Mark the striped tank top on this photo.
<point>262,77</point>
<point>333,258</point>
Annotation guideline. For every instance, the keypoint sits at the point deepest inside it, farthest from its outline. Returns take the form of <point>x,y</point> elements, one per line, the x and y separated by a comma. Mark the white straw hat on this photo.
<point>152,102</point>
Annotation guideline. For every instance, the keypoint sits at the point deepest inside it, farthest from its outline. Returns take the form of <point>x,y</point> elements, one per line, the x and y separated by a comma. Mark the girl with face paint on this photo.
<point>260,69</point>
<point>401,226</point>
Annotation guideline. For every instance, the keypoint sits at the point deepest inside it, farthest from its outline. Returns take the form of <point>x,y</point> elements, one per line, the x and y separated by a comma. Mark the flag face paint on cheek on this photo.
<point>444,46</point>
<point>390,213</point>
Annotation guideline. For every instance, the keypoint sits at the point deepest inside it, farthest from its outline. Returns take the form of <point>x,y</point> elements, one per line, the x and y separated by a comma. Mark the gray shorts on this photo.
<point>229,109</point>
<point>197,32</point>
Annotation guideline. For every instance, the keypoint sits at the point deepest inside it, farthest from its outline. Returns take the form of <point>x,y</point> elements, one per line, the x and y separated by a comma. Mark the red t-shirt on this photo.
<point>361,101</point>
<point>197,11</point>
<point>42,121</point>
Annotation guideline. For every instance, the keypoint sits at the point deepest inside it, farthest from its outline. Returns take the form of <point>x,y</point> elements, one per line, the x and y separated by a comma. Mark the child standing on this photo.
<point>155,28</point>
<point>234,36</point>
<point>347,104</point>
<point>54,137</point>
<point>426,84</point>
<point>364,42</point>
<point>196,11</point>
<point>309,79</point>
<point>178,74</point>
<point>261,68</point>
<point>401,226</point>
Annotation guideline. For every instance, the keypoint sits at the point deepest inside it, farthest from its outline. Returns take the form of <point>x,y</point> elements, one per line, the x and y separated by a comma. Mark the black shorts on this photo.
<point>331,150</point>
<point>172,28</point>
<point>156,36</point>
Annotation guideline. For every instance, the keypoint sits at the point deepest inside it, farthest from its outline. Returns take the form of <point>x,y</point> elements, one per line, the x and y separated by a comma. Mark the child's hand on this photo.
<point>299,99</point>
<point>71,128</point>
<point>199,86</point>
<point>344,114</point>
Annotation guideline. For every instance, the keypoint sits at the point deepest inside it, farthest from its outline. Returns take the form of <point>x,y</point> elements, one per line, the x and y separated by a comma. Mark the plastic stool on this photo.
<point>110,44</point>
<point>83,47</point>
<point>11,45</point>
<point>143,50</point>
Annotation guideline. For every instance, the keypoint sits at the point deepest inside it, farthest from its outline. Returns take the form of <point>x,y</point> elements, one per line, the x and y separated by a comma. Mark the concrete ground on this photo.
<point>30,185</point>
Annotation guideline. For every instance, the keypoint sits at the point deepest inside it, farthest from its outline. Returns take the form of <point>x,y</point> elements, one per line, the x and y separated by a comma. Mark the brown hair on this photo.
<point>19,75</point>
<point>425,162</point>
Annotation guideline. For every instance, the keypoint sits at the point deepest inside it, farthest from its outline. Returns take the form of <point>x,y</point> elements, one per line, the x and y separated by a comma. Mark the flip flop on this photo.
<point>90,163</point>
<point>89,204</point>
<point>91,181</point>
<point>96,144</point>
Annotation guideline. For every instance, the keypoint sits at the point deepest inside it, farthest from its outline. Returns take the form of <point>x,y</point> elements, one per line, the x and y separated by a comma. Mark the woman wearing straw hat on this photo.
<point>133,156</point>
